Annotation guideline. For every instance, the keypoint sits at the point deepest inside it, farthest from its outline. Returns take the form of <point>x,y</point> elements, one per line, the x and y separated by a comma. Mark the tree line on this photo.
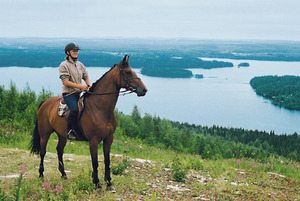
<point>18,110</point>
<point>209,142</point>
<point>283,91</point>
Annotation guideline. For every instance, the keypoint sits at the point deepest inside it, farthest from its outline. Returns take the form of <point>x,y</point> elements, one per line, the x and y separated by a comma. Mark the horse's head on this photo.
<point>129,78</point>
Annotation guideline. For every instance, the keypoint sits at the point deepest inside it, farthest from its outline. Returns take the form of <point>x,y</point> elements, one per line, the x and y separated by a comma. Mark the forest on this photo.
<point>18,110</point>
<point>283,91</point>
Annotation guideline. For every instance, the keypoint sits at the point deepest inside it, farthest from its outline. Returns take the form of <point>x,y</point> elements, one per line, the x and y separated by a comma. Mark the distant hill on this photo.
<point>156,57</point>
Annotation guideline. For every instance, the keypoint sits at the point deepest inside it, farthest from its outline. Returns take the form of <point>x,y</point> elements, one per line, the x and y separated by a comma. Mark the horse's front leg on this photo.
<point>60,151</point>
<point>106,151</point>
<point>94,155</point>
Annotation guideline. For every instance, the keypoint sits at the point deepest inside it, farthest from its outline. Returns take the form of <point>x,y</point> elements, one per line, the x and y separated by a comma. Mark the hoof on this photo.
<point>99,189</point>
<point>111,189</point>
<point>64,177</point>
<point>41,178</point>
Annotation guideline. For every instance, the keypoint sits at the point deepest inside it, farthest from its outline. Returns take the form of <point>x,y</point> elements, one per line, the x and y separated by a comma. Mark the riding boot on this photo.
<point>70,126</point>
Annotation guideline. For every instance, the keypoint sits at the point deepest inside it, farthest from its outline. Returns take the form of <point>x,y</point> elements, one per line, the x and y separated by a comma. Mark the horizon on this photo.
<point>149,38</point>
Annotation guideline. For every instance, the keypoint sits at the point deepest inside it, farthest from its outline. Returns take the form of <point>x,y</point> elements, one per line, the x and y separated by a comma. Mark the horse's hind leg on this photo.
<point>43,141</point>
<point>60,151</point>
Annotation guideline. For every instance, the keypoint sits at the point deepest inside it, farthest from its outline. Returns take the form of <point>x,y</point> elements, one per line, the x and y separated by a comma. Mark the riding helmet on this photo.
<point>71,46</point>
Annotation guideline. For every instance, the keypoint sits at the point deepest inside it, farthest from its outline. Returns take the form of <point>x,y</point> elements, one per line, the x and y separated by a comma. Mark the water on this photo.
<point>224,97</point>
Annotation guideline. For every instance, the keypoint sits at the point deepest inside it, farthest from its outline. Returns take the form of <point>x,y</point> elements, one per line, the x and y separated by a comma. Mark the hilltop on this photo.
<point>148,178</point>
<point>153,159</point>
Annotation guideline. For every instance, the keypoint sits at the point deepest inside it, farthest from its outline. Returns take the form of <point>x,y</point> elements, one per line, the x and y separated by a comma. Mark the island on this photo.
<point>199,76</point>
<point>283,91</point>
<point>165,66</point>
<point>244,64</point>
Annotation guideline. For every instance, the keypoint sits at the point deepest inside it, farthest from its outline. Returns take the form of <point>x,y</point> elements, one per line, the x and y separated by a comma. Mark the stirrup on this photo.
<point>71,135</point>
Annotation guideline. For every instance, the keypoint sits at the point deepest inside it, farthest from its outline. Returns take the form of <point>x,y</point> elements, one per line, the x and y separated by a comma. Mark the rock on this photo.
<point>9,176</point>
<point>176,188</point>
<point>143,161</point>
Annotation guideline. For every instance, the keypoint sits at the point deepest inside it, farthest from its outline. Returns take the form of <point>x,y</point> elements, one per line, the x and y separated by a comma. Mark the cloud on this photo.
<point>213,19</point>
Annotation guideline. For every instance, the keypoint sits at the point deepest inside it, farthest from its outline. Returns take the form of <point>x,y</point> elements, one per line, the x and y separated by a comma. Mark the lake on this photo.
<point>223,97</point>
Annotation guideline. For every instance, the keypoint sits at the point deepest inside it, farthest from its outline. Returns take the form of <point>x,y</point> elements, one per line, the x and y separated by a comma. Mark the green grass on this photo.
<point>222,179</point>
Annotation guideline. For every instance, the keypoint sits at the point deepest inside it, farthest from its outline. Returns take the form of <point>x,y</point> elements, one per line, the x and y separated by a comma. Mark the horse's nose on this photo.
<point>142,92</point>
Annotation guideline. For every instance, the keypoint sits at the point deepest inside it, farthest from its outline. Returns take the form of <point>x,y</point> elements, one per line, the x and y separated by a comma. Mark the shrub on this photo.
<point>120,168</point>
<point>178,171</point>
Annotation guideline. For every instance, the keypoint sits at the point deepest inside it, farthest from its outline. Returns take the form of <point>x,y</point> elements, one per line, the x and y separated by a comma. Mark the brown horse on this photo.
<point>97,121</point>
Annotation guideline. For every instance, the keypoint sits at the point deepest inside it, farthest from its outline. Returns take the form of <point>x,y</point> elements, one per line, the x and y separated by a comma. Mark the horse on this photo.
<point>96,122</point>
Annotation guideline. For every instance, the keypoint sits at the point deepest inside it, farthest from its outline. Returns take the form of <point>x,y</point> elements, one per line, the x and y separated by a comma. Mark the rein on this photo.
<point>111,93</point>
<point>125,92</point>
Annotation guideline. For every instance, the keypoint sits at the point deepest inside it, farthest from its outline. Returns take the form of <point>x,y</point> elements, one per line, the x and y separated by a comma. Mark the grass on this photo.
<point>148,179</point>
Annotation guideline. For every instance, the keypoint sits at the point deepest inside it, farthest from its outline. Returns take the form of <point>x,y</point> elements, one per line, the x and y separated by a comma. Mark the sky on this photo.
<point>195,19</point>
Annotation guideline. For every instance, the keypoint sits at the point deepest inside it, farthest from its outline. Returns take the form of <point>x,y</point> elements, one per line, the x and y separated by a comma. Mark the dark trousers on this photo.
<point>71,101</point>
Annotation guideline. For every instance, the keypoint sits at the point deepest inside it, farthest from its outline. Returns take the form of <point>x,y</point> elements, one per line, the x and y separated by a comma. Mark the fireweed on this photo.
<point>19,181</point>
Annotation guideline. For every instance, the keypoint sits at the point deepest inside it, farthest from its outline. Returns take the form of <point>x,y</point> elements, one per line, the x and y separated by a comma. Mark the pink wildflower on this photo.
<point>22,167</point>
<point>58,189</point>
<point>298,166</point>
<point>7,132</point>
<point>5,135</point>
<point>13,133</point>
<point>46,186</point>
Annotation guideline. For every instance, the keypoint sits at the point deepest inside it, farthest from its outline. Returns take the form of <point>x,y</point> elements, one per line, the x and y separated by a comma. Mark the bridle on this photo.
<point>127,80</point>
<point>128,89</point>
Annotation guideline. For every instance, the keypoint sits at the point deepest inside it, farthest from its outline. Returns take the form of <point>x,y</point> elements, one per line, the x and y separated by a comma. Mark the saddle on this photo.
<point>63,109</point>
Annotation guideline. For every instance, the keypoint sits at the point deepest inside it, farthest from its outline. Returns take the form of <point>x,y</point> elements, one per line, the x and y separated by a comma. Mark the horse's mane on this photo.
<point>96,83</point>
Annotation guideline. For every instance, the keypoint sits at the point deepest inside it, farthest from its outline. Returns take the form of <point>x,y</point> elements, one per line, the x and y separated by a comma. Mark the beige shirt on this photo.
<point>74,72</point>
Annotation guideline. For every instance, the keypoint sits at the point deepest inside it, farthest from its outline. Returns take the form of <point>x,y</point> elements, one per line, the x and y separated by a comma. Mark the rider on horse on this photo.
<point>71,72</point>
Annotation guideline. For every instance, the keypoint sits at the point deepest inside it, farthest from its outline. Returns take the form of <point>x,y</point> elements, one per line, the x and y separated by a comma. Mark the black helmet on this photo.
<point>71,46</point>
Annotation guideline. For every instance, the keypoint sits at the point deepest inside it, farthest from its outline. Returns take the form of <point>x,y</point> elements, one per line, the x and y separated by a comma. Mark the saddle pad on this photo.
<point>62,109</point>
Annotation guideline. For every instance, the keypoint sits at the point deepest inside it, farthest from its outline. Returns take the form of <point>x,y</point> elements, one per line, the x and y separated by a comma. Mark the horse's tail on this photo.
<point>35,145</point>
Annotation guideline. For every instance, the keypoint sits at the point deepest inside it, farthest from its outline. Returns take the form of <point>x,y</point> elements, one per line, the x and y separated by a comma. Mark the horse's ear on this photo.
<point>124,62</point>
<point>124,59</point>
